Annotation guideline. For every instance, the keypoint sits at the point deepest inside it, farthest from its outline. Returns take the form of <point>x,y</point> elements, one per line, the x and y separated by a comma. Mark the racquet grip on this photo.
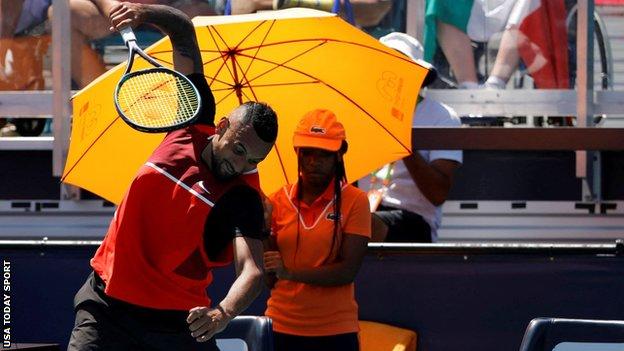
<point>127,34</point>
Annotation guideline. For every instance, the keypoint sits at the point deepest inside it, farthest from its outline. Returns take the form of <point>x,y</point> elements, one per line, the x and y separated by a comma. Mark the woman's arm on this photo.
<point>270,278</point>
<point>341,272</point>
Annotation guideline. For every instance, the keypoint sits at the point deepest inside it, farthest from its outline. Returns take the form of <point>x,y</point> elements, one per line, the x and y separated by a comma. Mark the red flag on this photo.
<point>543,42</point>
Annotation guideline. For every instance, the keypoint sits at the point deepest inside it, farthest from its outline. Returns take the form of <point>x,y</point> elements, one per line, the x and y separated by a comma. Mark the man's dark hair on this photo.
<point>263,119</point>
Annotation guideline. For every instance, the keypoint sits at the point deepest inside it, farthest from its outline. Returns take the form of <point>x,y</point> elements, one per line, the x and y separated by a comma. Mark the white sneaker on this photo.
<point>468,85</point>
<point>494,83</point>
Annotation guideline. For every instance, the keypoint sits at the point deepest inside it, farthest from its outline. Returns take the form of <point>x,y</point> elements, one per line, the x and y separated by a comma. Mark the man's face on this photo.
<point>237,149</point>
<point>317,166</point>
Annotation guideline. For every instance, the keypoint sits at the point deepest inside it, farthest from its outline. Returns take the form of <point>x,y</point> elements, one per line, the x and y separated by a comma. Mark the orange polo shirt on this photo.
<point>305,309</point>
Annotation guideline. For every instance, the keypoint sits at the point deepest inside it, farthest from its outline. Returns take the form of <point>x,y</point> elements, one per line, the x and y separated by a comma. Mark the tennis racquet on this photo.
<point>157,99</point>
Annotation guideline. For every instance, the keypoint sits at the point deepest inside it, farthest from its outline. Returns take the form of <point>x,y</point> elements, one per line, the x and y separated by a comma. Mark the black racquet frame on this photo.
<point>130,41</point>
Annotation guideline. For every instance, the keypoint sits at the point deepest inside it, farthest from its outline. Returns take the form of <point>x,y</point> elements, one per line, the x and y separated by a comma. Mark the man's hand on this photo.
<point>273,262</point>
<point>205,322</point>
<point>126,14</point>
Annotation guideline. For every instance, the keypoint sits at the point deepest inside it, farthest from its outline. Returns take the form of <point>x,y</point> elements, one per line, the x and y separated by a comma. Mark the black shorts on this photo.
<point>340,342</point>
<point>103,323</point>
<point>404,226</point>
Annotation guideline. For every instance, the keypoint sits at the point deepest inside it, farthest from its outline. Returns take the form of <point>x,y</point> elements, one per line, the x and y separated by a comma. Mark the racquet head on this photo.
<point>157,100</point>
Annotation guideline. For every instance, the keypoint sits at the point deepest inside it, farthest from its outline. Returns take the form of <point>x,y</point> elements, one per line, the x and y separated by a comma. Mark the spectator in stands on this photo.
<point>454,25</point>
<point>412,191</point>
<point>457,48</point>
<point>321,227</point>
<point>87,24</point>
<point>24,40</point>
<point>17,17</point>
<point>23,45</point>
<point>367,13</point>
<point>533,32</point>
<point>20,17</point>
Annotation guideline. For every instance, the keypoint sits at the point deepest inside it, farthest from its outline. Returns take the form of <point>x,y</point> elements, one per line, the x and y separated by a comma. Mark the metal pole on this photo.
<point>61,85</point>
<point>415,18</point>
<point>596,164</point>
<point>585,85</point>
<point>596,156</point>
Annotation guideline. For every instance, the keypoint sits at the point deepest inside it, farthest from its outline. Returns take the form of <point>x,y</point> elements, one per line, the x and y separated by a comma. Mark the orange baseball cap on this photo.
<point>319,129</point>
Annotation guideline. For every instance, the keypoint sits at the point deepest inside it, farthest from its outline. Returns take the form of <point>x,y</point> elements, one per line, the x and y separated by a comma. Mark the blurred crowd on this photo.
<point>476,44</point>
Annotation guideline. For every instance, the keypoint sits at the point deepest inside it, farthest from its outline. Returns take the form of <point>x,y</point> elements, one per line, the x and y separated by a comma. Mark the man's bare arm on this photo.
<point>433,179</point>
<point>205,322</point>
<point>249,282</point>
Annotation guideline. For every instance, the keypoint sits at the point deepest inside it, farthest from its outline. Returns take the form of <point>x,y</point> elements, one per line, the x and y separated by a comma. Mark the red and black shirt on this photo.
<point>176,222</point>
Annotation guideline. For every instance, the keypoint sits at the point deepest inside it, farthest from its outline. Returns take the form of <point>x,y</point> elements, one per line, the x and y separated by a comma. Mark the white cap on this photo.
<point>404,43</point>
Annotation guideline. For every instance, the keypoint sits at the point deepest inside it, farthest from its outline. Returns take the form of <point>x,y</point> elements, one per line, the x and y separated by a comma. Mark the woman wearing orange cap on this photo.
<point>321,227</point>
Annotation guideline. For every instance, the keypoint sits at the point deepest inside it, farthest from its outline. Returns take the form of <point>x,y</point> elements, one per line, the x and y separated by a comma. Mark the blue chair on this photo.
<point>251,333</point>
<point>544,334</point>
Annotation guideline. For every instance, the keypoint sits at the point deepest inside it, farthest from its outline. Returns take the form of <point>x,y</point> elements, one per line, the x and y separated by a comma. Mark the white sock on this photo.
<point>468,85</point>
<point>495,82</point>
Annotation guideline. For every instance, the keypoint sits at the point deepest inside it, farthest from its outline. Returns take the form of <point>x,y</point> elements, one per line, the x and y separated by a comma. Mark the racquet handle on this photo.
<point>128,35</point>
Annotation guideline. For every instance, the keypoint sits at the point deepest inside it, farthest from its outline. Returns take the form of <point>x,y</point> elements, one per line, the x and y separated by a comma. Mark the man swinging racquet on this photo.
<point>192,206</point>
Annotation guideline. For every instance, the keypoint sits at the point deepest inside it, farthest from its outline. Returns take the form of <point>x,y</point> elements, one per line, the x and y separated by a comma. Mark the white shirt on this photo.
<point>403,192</point>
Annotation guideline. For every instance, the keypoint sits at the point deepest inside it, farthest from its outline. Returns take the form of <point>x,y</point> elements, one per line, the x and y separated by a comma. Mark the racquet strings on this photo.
<point>157,99</point>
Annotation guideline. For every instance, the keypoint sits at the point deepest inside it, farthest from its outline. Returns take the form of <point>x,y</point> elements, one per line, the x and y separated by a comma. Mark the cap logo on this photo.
<point>317,130</point>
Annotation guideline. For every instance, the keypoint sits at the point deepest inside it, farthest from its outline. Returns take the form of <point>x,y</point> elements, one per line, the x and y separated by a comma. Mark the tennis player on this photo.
<point>321,225</point>
<point>194,205</point>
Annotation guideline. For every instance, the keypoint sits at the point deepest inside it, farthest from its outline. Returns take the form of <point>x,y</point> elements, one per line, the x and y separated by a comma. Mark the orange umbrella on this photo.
<point>296,60</point>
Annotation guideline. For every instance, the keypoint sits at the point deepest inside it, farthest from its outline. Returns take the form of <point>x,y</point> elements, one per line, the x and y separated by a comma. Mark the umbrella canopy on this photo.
<point>296,60</point>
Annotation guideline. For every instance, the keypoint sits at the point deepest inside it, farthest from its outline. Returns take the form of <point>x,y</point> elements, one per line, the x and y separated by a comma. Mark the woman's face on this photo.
<point>317,166</point>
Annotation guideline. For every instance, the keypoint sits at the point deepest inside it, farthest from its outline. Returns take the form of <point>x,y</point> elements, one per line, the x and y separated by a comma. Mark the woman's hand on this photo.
<point>273,263</point>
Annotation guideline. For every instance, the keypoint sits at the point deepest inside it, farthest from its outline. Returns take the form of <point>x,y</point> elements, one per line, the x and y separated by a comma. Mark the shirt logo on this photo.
<point>201,185</point>
<point>331,216</point>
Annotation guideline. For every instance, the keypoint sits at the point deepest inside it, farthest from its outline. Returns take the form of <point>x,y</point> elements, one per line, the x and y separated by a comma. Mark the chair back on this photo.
<point>545,334</point>
<point>247,333</point>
